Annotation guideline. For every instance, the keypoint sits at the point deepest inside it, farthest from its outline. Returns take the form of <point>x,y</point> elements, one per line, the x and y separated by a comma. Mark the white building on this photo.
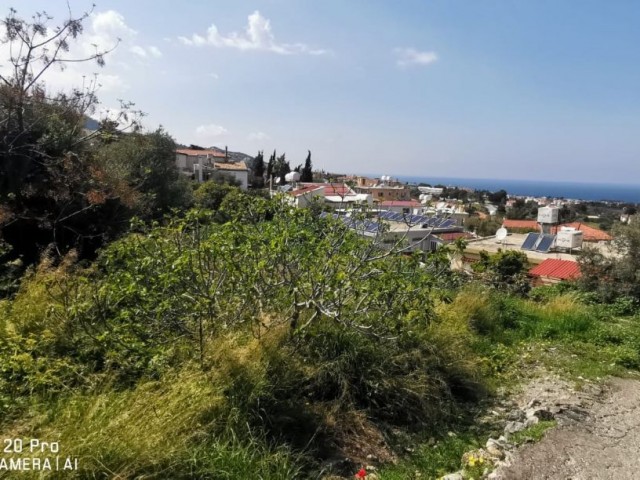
<point>202,163</point>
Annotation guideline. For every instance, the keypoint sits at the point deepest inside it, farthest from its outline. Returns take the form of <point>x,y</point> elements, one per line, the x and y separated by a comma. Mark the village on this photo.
<point>425,218</point>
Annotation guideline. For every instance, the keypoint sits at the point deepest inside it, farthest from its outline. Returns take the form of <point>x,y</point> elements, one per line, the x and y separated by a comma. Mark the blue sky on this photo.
<point>492,89</point>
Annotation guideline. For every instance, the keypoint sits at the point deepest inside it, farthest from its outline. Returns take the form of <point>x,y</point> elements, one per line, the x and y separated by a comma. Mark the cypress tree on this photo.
<point>306,174</point>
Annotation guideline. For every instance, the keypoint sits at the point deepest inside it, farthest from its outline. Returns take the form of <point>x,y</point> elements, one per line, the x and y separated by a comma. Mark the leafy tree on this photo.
<point>483,227</point>
<point>210,194</point>
<point>522,209</point>
<point>498,197</point>
<point>50,190</point>
<point>281,167</point>
<point>306,175</point>
<point>616,274</point>
<point>506,270</point>
<point>146,164</point>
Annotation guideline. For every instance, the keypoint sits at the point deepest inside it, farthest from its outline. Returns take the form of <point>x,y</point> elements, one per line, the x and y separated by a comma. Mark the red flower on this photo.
<point>362,473</point>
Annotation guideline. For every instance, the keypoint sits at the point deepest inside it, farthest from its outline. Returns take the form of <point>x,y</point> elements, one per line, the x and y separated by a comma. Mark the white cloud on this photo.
<point>107,29</point>
<point>211,131</point>
<point>146,52</point>
<point>103,31</point>
<point>138,50</point>
<point>154,51</point>
<point>411,56</point>
<point>258,136</point>
<point>257,36</point>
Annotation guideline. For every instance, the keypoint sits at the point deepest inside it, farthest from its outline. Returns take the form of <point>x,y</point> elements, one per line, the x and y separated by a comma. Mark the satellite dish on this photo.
<point>501,234</point>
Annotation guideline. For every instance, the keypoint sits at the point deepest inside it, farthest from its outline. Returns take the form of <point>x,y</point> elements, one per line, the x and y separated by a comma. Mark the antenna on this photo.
<point>501,234</point>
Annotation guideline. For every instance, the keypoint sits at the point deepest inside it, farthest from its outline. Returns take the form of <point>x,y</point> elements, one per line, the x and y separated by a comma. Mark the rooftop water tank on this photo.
<point>548,214</point>
<point>569,239</point>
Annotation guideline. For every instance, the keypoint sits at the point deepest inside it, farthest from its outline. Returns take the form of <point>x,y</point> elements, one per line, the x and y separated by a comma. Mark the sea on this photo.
<point>613,192</point>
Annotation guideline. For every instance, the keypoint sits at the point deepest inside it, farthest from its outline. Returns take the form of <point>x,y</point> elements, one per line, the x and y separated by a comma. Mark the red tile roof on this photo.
<point>303,190</point>
<point>196,152</point>
<point>523,224</point>
<point>555,268</point>
<point>400,203</point>
<point>589,234</point>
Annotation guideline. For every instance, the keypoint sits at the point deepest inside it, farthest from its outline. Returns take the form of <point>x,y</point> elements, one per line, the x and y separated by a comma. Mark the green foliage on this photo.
<point>484,227</point>
<point>615,276</point>
<point>281,167</point>
<point>533,433</point>
<point>210,194</point>
<point>11,269</point>
<point>523,210</point>
<point>498,197</point>
<point>146,164</point>
<point>433,461</point>
<point>505,270</point>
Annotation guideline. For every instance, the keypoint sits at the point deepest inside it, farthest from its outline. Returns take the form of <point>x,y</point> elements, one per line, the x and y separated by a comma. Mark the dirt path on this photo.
<point>598,435</point>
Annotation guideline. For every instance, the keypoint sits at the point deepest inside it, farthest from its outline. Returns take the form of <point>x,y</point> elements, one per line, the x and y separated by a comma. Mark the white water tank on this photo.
<point>292,177</point>
<point>569,238</point>
<point>548,214</point>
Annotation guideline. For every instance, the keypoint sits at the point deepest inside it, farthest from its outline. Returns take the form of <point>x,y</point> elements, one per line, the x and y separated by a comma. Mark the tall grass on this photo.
<point>180,427</point>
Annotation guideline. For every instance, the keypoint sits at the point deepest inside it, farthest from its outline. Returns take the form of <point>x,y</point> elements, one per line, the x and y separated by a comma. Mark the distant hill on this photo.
<point>237,156</point>
<point>91,124</point>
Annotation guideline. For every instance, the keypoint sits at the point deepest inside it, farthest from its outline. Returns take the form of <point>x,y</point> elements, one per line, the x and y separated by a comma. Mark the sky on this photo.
<point>508,89</point>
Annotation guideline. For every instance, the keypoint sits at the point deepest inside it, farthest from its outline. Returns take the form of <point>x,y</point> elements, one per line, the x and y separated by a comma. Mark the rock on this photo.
<point>533,403</point>
<point>531,421</point>
<point>453,476</point>
<point>370,468</point>
<point>516,415</point>
<point>372,476</point>
<point>513,427</point>
<point>372,458</point>
<point>495,452</point>
<point>501,444</point>
<point>540,413</point>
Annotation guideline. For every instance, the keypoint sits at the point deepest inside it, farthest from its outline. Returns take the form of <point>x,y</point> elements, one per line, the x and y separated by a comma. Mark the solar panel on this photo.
<point>448,223</point>
<point>386,215</point>
<point>530,241</point>
<point>373,227</point>
<point>545,243</point>
<point>397,217</point>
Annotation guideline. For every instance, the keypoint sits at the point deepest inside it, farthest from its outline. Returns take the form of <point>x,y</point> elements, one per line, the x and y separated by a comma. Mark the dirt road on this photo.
<point>597,439</point>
